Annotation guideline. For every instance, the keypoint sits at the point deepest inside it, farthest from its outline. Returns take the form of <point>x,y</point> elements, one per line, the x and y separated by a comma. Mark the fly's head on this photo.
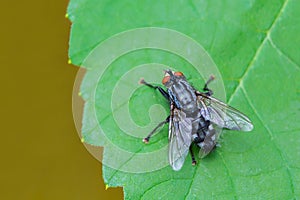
<point>172,77</point>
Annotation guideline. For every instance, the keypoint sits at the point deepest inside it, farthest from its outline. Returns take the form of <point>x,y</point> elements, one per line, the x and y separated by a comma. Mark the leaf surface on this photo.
<point>255,45</point>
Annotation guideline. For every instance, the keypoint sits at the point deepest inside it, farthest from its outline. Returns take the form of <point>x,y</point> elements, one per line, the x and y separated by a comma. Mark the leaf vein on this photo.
<point>229,175</point>
<point>192,180</point>
<point>281,53</point>
<point>281,154</point>
<point>126,161</point>
<point>268,32</point>
<point>155,185</point>
<point>213,40</point>
<point>161,182</point>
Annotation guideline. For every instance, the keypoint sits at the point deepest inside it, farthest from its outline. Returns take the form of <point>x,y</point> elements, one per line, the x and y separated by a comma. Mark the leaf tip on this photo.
<point>69,61</point>
<point>106,186</point>
<point>67,15</point>
<point>82,140</point>
<point>79,94</point>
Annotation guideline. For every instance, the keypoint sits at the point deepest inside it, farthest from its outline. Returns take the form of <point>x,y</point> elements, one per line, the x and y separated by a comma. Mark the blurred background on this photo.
<point>41,154</point>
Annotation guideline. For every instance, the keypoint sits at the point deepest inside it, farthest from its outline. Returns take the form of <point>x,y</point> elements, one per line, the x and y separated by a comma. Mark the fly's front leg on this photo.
<point>162,91</point>
<point>146,139</point>
<point>208,92</point>
<point>166,95</point>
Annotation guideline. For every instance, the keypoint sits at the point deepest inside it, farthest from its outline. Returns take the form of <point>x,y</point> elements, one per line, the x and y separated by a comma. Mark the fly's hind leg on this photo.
<point>194,162</point>
<point>208,92</point>
<point>161,124</point>
<point>162,91</point>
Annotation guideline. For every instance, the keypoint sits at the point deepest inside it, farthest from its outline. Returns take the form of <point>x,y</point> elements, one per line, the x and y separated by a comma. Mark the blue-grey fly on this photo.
<point>194,118</point>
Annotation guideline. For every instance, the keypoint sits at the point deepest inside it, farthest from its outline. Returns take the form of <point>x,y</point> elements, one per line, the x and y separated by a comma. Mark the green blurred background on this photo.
<point>41,154</point>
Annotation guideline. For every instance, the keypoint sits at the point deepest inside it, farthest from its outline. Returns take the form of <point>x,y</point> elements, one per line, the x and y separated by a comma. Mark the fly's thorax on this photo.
<point>181,92</point>
<point>184,95</point>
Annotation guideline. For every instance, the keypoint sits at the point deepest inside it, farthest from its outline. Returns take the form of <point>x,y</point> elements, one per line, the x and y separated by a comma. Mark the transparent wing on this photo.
<point>222,114</point>
<point>180,138</point>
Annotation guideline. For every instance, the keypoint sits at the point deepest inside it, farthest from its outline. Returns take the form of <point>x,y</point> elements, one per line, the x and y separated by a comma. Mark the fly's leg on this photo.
<point>193,156</point>
<point>208,92</point>
<point>166,95</point>
<point>146,139</point>
<point>162,91</point>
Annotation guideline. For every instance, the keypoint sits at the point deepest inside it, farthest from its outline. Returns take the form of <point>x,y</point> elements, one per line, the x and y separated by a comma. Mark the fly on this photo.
<point>194,118</point>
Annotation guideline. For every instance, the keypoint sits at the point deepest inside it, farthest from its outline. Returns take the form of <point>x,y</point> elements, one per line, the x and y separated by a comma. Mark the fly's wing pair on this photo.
<point>213,110</point>
<point>180,137</point>
<point>222,114</point>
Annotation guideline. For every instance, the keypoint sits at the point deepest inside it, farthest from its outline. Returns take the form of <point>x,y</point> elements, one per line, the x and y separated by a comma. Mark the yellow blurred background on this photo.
<point>41,154</point>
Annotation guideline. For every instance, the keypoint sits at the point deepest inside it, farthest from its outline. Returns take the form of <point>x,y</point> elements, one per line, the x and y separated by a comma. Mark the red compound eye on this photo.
<point>165,79</point>
<point>178,74</point>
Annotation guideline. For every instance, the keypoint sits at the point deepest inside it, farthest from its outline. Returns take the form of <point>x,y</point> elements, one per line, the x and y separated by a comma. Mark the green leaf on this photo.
<point>255,45</point>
